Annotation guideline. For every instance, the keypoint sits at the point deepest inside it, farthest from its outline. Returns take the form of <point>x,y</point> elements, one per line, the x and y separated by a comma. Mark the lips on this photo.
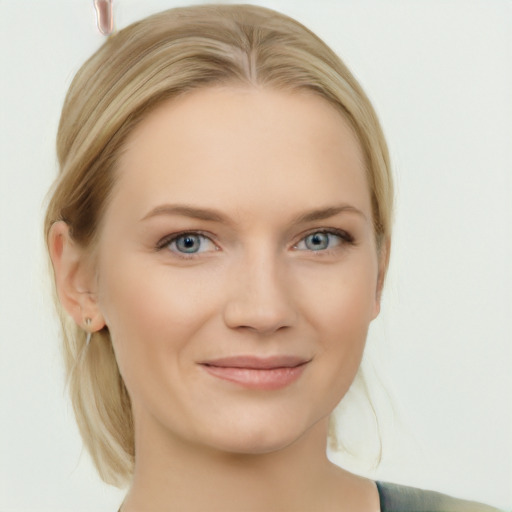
<point>269,373</point>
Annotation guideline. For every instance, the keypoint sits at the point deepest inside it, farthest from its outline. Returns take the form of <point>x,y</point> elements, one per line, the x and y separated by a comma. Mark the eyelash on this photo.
<point>345,239</point>
<point>169,239</point>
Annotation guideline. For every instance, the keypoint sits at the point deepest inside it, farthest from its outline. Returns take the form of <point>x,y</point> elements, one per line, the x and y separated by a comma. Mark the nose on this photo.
<point>260,298</point>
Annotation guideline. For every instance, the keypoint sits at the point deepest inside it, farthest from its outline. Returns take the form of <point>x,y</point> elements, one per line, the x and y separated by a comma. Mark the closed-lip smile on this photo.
<point>263,373</point>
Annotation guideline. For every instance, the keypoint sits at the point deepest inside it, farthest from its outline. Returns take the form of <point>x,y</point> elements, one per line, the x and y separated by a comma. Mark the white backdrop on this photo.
<point>440,75</point>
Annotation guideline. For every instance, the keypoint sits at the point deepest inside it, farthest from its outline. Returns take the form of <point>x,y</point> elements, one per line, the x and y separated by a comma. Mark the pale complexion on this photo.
<point>240,225</point>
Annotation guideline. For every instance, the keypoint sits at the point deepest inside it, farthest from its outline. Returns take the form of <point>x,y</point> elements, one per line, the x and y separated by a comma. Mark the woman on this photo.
<point>220,233</point>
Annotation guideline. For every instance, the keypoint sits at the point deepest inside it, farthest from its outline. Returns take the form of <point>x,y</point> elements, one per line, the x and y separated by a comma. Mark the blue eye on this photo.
<point>189,244</point>
<point>321,241</point>
<point>317,241</point>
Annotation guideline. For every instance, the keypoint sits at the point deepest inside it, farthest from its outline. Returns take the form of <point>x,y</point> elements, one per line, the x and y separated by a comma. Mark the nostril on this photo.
<point>260,293</point>
<point>246,316</point>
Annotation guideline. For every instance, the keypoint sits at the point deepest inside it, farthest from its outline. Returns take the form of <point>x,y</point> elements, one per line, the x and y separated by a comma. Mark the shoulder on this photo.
<point>399,498</point>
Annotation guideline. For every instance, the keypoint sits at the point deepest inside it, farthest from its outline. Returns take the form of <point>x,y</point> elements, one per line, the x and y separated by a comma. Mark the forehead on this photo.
<point>231,145</point>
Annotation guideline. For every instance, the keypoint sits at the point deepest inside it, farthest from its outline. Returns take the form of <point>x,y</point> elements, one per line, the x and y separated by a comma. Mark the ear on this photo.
<point>74,278</point>
<point>383,268</point>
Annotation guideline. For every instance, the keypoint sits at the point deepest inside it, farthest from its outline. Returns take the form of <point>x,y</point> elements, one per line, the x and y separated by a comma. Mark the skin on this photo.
<point>270,168</point>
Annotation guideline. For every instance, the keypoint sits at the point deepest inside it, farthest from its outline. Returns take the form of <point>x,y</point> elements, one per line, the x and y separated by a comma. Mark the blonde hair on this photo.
<point>136,69</point>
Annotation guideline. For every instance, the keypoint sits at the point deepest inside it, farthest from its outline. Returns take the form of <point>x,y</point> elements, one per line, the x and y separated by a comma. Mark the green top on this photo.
<point>398,498</point>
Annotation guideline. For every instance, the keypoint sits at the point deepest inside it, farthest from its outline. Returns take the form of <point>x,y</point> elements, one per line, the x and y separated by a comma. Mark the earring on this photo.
<point>89,334</point>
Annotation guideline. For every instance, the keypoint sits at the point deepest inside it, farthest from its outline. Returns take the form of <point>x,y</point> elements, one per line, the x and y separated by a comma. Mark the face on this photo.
<point>237,268</point>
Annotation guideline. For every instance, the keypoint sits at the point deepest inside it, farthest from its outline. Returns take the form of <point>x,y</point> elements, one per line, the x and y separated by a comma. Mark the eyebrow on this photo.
<point>186,211</point>
<point>326,213</point>
<point>208,214</point>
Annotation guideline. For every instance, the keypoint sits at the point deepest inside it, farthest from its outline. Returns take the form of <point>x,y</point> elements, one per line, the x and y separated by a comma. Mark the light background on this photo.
<point>440,75</point>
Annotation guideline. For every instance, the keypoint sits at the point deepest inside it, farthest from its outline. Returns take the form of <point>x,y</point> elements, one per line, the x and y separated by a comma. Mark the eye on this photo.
<point>188,244</point>
<point>322,240</point>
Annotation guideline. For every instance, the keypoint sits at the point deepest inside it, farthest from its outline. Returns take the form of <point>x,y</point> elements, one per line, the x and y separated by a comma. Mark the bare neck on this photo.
<point>176,476</point>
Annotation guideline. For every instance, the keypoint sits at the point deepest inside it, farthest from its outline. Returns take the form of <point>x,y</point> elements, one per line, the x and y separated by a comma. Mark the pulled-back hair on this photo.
<point>138,68</point>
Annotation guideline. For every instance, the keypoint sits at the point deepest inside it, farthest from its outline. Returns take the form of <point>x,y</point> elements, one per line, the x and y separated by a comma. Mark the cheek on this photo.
<point>344,334</point>
<point>343,299</point>
<point>341,314</point>
<point>151,312</point>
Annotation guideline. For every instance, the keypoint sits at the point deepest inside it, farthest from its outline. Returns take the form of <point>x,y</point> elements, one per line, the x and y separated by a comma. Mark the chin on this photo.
<point>257,444</point>
<point>261,439</point>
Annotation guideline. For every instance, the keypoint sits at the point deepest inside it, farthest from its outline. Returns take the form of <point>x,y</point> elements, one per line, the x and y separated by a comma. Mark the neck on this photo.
<point>177,475</point>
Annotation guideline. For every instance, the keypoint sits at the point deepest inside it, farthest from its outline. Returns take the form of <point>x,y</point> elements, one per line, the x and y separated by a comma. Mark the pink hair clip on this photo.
<point>104,16</point>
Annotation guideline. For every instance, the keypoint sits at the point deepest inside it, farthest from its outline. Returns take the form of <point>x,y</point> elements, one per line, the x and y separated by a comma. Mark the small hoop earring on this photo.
<point>88,322</point>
